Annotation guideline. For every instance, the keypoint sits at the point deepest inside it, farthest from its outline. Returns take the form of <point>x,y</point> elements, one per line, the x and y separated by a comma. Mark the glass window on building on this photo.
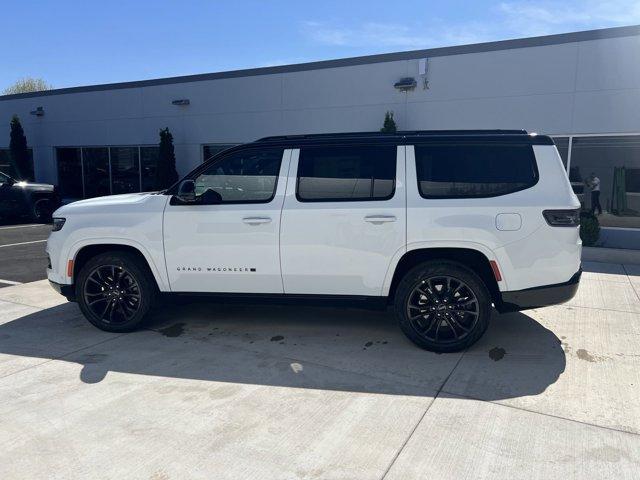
<point>610,165</point>
<point>149,168</point>
<point>70,174</point>
<point>125,170</point>
<point>85,172</point>
<point>96,171</point>
<point>212,149</point>
<point>8,167</point>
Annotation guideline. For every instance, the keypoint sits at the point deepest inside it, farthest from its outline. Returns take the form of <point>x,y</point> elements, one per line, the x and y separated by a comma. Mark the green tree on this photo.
<point>27,85</point>
<point>389,125</point>
<point>18,152</point>
<point>166,174</point>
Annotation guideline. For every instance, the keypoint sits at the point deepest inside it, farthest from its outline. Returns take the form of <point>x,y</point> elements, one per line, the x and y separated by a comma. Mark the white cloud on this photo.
<point>393,35</point>
<point>542,18</point>
<point>509,19</point>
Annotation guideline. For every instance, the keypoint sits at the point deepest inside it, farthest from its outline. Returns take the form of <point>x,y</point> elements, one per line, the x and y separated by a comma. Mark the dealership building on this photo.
<point>581,88</point>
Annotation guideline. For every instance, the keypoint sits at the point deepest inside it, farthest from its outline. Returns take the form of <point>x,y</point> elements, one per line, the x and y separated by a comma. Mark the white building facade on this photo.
<point>582,88</point>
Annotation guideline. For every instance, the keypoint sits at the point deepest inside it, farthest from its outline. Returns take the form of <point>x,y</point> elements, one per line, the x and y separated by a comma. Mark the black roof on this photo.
<point>508,136</point>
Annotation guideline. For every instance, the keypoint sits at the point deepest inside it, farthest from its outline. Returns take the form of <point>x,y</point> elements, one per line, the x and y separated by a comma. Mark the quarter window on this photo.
<point>346,173</point>
<point>246,176</point>
<point>479,170</point>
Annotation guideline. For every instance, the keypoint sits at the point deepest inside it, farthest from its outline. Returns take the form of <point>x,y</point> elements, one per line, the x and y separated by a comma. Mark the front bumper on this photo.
<point>540,296</point>
<point>65,290</point>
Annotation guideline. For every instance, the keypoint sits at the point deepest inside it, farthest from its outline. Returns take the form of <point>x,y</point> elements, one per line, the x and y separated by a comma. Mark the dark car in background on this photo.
<point>36,201</point>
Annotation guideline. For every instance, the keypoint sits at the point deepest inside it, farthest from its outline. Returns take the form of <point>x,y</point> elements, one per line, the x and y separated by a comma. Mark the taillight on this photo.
<point>562,218</point>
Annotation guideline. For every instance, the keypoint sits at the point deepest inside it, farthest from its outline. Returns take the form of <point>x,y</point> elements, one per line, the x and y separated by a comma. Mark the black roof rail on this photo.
<point>407,133</point>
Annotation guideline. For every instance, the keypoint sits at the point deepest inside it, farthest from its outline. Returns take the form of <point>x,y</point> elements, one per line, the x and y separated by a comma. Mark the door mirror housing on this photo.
<point>187,191</point>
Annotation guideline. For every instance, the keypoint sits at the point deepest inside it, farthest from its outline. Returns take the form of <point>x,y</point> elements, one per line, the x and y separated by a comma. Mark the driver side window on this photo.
<point>246,176</point>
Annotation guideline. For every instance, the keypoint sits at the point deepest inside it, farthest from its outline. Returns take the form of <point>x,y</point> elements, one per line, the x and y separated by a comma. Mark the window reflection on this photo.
<point>612,165</point>
<point>70,173</point>
<point>345,173</point>
<point>96,172</point>
<point>149,166</point>
<point>247,176</point>
<point>85,172</point>
<point>8,167</point>
<point>125,172</point>
<point>212,149</point>
<point>481,170</point>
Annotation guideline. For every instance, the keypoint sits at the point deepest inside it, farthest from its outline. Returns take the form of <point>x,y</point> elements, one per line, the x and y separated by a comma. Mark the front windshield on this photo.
<point>4,177</point>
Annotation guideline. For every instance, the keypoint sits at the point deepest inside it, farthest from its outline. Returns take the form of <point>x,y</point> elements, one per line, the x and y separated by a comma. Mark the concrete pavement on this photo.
<point>249,391</point>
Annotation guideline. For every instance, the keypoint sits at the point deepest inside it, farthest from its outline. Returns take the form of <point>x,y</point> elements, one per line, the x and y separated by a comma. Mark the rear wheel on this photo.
<point>115,291</point>
<point>442,306</point>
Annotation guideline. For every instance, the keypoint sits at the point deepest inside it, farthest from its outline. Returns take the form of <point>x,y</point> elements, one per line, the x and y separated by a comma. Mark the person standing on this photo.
<point>593,183</point>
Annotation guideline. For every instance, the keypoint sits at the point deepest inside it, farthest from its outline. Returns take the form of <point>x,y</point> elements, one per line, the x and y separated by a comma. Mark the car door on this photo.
<point>343,219</point>
<point>10,203</point>
<point>231,246</point>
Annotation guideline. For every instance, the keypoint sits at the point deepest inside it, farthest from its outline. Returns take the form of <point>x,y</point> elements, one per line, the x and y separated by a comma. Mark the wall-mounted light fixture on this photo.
<point>405,84</point>
<point>38,112</point>
<point>181,101</point>
<point>423,70</point>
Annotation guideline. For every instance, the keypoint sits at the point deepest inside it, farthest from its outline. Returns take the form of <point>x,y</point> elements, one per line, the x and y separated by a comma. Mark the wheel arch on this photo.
<point>83,253</point>
<point>471,257</point>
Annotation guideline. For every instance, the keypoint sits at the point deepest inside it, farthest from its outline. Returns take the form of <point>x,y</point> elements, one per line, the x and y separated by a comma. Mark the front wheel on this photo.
<point>41,210</point>
<point>115,291</point>
<point>442,306</point>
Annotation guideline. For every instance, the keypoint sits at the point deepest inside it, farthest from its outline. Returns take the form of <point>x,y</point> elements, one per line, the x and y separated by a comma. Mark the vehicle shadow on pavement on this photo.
<point>343,349</point>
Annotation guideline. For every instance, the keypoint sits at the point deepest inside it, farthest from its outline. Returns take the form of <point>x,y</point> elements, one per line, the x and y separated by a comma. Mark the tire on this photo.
<point>120,285</point>
<point>442,306</point>
<point>41,210</point>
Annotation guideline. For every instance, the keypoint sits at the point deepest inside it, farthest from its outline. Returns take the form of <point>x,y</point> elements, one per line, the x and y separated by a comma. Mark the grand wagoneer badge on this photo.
<point>216,269</point>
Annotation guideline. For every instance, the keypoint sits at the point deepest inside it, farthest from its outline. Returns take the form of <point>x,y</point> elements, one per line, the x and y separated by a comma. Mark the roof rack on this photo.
<point>408,133</point>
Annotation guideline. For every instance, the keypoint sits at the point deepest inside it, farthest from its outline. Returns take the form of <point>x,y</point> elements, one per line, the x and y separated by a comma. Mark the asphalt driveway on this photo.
<point>22,256</point>
<point>244,391</point>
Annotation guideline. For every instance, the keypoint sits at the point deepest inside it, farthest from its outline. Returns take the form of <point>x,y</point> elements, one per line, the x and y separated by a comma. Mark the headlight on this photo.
<point>58,223</point>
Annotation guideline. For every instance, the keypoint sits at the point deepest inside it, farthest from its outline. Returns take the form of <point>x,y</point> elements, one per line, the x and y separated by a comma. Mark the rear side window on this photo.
<point>346,173</point>
<point>474,170</point>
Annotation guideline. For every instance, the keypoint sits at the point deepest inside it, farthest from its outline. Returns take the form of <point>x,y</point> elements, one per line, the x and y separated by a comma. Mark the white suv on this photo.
<point>443,225</point>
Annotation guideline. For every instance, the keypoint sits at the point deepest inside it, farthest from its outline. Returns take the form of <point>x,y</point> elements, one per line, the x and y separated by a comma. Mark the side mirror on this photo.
<point>187,191</point>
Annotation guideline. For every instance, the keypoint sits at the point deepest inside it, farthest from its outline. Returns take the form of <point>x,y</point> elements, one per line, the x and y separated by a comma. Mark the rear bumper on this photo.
<point>540,296</point>
<point>65,290</point>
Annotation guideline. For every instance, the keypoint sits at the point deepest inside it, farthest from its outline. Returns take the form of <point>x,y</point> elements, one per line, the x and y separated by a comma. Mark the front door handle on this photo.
<point>377,219</point>
<point>256,220</point>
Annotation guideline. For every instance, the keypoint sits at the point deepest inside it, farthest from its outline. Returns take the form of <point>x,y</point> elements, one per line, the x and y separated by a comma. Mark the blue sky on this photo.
<point>71,43</point>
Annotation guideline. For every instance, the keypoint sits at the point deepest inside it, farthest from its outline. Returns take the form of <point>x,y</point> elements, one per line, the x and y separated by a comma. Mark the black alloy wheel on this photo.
<point>442,305</point>
<point>116,290</point>
<point>112,293</point>
<point>443,309</point>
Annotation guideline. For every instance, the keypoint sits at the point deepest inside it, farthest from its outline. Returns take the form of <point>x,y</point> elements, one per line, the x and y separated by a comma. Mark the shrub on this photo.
<point>19,152</point>
<point>166,174</point>
<point>589,229</point>
<point>389,125</point>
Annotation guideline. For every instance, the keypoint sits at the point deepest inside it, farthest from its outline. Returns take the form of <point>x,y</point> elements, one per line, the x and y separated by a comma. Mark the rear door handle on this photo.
<point>256,220</point>
<point>377,219</point>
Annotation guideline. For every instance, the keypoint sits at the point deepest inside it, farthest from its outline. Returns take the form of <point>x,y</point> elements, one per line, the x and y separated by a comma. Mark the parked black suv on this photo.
<point>34,200</point>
